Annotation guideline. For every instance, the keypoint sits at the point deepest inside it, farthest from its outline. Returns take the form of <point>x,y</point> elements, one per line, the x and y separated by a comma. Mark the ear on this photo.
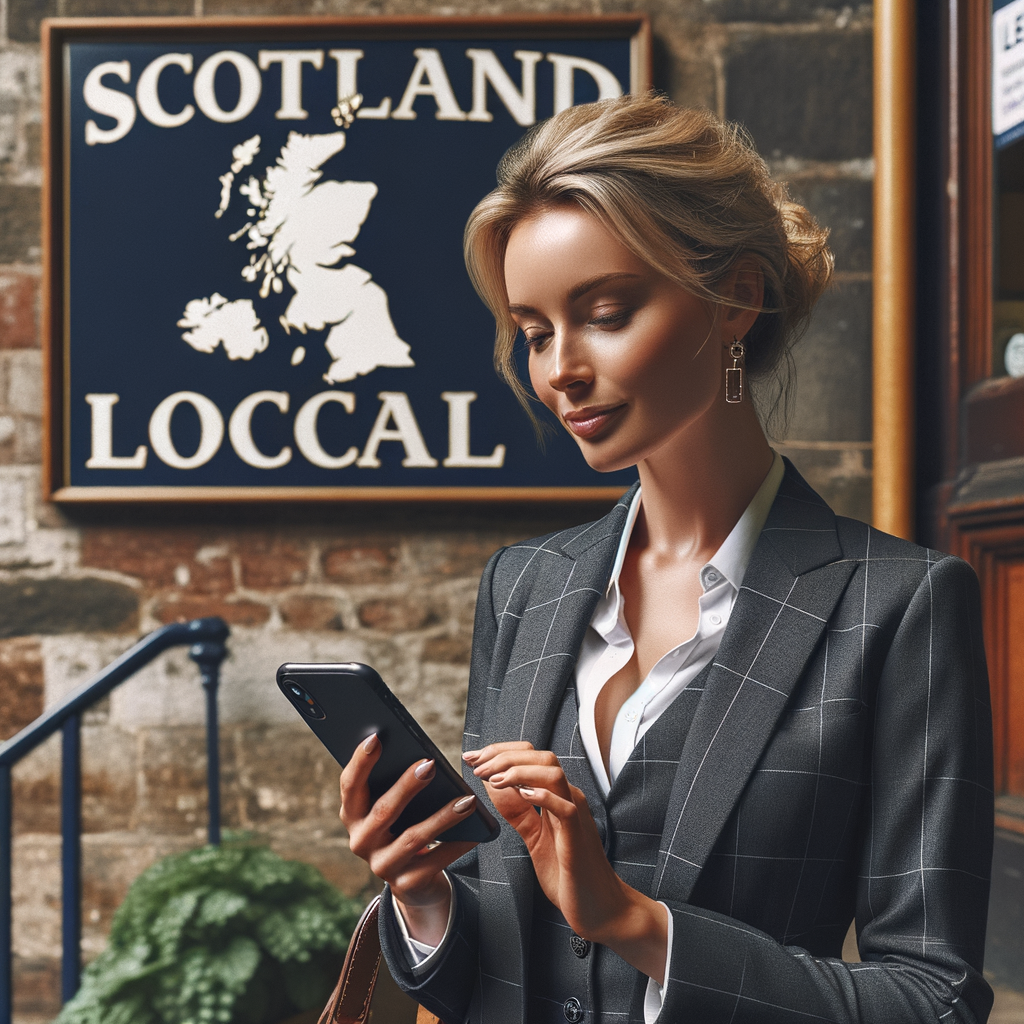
<point>743,284</point>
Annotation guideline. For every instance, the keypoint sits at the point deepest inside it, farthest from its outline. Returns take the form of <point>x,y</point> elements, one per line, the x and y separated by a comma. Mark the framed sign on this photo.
<point>253,228</point>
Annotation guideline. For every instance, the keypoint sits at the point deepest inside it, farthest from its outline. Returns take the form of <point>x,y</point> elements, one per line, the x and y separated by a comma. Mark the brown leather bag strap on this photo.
<point>350,1001</point>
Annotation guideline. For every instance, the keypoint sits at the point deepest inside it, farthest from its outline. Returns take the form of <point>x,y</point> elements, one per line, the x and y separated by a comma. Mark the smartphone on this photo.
<point>345,703</point>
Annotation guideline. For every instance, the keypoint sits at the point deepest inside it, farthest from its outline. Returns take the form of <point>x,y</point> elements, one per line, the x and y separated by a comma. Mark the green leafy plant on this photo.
<point>228,933</point>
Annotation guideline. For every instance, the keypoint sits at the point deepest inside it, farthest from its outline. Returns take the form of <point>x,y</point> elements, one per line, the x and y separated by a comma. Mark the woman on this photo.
<point>721,722</point>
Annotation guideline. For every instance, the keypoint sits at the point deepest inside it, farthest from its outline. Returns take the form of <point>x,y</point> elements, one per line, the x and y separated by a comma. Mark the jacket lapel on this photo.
<point>795,578</point>
<point>551,619</point>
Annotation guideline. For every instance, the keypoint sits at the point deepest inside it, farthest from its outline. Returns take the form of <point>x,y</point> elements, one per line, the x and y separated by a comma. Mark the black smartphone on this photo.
<point>345,703</point>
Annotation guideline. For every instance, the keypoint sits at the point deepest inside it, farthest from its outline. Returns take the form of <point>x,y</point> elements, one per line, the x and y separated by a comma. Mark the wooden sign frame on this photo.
<point>72,344</point>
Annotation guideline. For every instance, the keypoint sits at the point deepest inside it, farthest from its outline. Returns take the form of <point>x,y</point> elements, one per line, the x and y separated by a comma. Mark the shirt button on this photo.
<point>579,945</point>
<point>572,1010</point>
<point>715,619</point>
<point>711,577</point>
<point>631,716</point>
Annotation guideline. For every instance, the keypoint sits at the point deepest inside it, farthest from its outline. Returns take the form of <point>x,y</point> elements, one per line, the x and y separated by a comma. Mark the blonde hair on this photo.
<point>686,193</point>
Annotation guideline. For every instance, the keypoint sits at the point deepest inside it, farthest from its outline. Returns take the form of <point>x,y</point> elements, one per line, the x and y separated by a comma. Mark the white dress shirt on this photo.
<point>607,648</point>
<point>608,645</point>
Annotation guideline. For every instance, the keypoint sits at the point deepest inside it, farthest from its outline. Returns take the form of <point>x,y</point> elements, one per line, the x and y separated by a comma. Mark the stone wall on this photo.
<point>393,587</point>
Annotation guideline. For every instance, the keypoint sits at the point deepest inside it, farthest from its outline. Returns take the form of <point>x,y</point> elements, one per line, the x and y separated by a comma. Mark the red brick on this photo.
<point>19,223</point>
<point>21,684</point>
<point>463,554</point>
<point>37,804</point>
<point>109,775</point>
<point>18,298</point>
<point>36,986</point>
<point>448,650</point>
<point>306,611</point>
<point>154,556</point>
<point>361,563</point>
<point>269,562</point>
<point>396,615</point>
<point>177,608</point>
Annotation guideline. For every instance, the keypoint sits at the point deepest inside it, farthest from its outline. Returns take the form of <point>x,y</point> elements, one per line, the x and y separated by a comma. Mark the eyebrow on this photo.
<point>579,290</point>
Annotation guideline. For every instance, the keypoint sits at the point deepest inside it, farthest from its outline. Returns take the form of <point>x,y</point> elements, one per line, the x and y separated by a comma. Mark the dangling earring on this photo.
<point>734,373</point>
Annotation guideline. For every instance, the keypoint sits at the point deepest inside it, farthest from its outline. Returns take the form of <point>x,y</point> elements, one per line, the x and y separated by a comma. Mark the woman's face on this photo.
<point>624,357</point>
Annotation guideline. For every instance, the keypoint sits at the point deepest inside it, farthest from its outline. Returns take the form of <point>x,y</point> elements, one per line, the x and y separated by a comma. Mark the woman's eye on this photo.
<point>617,318</point>
<point>534,340</point>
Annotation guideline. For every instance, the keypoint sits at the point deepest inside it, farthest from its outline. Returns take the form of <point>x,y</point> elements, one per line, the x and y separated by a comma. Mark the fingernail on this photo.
<point>463,805</point>
<point>497,779</point>
<point>425,770</point>
<point>525,790</point>
<point>370,743</point>
<point>470,755</point>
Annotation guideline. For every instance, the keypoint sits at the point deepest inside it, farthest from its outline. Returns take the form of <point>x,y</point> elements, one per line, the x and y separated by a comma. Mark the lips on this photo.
<point>588,422</point>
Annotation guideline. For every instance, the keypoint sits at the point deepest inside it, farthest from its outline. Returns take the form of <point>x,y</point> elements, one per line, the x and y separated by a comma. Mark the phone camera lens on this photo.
<point>304,701</point>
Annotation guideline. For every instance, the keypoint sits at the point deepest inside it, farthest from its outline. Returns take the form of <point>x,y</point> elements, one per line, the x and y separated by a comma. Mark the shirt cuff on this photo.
<point>654,997</point>
<point>421,955</point>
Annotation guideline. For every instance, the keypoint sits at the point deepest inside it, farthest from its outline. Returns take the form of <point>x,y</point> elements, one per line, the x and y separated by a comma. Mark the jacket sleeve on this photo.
<point>923,876</point>
<point>446,989</point>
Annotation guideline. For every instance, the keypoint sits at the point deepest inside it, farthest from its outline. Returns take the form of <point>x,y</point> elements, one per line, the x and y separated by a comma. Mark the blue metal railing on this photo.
<point>207,650</point>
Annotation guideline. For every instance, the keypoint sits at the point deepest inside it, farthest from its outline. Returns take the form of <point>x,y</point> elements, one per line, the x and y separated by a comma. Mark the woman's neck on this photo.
<point>698,484</point>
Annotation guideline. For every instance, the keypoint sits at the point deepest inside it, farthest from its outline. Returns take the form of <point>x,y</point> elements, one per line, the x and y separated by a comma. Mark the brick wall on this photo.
<point>391,587</point>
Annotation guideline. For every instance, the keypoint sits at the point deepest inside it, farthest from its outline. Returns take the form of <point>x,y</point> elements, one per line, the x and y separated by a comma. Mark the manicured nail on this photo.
<point>470,755</point>
<point>424,770</point>
<point>525,790</point>
<point>464,805</point>
<point>370,743</point>
<point>498,779</point>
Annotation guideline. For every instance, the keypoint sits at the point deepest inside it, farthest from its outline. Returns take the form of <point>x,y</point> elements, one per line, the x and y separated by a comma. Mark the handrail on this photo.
<point>206,637</point>
<point>177,633</point>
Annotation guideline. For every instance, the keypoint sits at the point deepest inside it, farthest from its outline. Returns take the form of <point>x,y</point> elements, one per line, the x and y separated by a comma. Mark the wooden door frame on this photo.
<point>975,512</point>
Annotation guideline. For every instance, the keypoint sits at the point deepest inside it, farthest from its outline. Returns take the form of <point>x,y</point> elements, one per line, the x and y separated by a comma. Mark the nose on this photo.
<point>568,367</point>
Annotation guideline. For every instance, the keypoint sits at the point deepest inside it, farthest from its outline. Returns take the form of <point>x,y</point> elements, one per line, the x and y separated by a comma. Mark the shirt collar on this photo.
<point>733,557</point>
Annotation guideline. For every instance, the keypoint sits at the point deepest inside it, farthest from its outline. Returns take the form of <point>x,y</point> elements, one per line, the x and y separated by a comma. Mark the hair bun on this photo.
<point>811,261</point>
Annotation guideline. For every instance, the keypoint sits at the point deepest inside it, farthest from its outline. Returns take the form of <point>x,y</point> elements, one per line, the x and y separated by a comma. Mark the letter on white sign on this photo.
<point>240,430</point>
<point>112,102</point>
<point>487,68</point>
<point>291,62</point>
<point>395,404</point>
<point>565,68</point>
<point>458,435</point>
<point>307,436</point>
<point>429,66</point>
<point>211,430</point>
<point>147,93</point>
<point>348,61</point>
<point>250,87</point>
<point>102,455</point>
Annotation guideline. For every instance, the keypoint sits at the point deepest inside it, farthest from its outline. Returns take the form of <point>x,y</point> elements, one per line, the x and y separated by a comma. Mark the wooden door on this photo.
<point>970,409</point>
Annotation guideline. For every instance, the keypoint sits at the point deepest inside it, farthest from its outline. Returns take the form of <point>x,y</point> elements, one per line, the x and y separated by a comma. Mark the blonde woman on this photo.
<point>721,723</point>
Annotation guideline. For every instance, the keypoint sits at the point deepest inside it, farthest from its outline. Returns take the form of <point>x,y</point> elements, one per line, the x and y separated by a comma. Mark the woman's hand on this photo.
<point>530,791</point>
<point>406,862</point>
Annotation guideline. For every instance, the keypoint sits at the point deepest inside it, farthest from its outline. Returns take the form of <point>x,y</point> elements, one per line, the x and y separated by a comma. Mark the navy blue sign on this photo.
<point>263,275</point>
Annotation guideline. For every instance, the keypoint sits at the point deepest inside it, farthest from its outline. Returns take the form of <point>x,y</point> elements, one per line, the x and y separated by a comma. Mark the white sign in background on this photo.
<point>1007,67</point>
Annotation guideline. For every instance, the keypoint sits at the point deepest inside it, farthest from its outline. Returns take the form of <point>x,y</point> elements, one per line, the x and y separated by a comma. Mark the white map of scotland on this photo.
<point>298,231</point>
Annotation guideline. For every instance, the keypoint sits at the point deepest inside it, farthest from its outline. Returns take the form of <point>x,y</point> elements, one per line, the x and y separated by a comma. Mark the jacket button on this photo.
<point>572,1011</point>
<point>579,945</point>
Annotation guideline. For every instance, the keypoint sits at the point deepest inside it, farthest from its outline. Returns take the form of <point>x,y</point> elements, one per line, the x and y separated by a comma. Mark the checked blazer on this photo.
<point>838,767</point>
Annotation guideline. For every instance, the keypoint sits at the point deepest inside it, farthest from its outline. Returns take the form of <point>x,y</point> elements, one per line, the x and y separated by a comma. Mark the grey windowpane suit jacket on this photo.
<point>838,766</point>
